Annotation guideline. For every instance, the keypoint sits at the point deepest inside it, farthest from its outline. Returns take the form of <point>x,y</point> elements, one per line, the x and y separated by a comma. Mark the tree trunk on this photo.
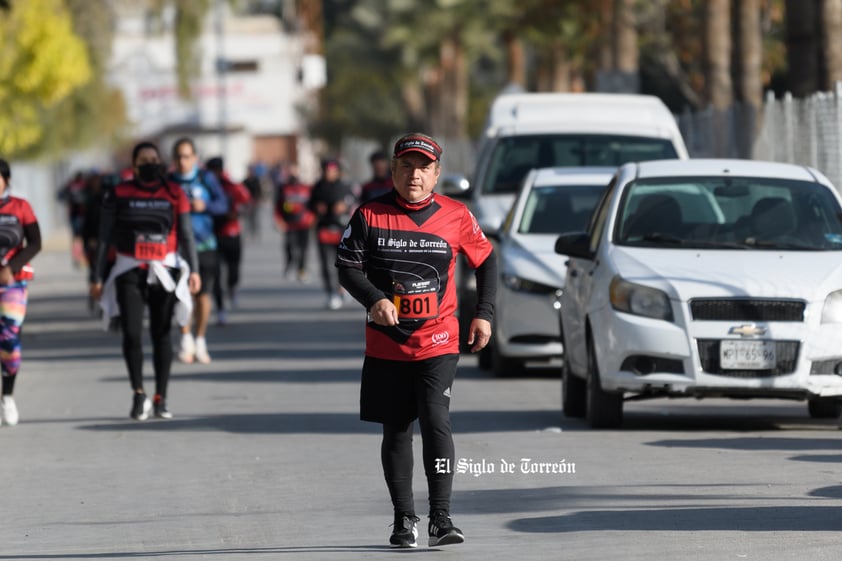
<point>554,72</point>
<point>802,47</point>
<point>749,60</point>
<point>627,52</point>
<point>516,58</point>
<point>750,51</point>
<point>718,84</point>
<point>626,49</point>
<point>448,101</point>
<point>606,47</point>
<point>831,31</point>
<point>718,53</point>
<point>413,99</point>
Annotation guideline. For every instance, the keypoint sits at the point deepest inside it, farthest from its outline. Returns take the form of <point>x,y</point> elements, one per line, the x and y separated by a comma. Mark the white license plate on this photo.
<point>747,355</point>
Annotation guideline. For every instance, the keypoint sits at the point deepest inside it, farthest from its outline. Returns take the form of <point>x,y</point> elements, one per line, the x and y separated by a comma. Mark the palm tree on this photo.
<point>749,62</point>
<point>831,30</point>
<point>802,41</point>
<point>718,53</point>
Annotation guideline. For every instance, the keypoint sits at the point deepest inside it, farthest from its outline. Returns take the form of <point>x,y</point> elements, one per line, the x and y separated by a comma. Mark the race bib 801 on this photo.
<point>416,300</point>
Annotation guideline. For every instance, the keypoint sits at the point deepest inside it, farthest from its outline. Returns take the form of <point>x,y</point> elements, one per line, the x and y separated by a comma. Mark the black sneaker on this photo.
<point>141,407</point>
<point>405,531</point>
<point>160,408</point>
<point>442,531</point>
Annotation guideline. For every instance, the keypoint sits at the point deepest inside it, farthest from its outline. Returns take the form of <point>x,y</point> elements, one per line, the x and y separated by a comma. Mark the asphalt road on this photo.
<point>266,458</point>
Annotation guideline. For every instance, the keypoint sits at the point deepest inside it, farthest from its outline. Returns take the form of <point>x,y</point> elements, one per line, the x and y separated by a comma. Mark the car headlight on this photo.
<point>832,310</point>
<point>639,300</point>
<point>519,284</point>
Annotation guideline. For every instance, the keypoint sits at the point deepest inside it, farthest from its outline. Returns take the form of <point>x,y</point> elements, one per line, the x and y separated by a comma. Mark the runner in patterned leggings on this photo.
<point>20,241</point>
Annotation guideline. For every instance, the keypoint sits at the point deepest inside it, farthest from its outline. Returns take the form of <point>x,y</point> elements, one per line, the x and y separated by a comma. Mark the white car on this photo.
<point>550,201</point>
<point>705,278</point>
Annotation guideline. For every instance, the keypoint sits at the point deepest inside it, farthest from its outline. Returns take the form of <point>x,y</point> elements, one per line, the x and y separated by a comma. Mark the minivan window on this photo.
<point>514,156</point>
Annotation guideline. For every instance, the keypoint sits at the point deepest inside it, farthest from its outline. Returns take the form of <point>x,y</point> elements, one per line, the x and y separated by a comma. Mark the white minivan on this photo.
<point>534,130</point>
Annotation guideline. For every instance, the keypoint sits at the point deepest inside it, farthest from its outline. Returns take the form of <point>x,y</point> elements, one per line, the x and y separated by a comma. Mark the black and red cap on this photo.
<point>417,142</point>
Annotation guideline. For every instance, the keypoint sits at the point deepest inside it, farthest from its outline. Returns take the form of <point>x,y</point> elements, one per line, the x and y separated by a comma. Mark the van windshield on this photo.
<point>514,156</point>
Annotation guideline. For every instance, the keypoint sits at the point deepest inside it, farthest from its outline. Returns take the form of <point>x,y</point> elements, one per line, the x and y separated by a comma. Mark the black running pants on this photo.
<point>134,295</point>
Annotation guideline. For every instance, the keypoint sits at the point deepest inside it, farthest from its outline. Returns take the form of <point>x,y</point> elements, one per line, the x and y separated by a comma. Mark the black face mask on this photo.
<point>148,173</point>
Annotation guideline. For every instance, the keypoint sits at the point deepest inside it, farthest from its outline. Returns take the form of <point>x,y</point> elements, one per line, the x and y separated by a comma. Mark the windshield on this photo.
<point>729,213</point>
<point>557,209</point>
<point>514,156</point>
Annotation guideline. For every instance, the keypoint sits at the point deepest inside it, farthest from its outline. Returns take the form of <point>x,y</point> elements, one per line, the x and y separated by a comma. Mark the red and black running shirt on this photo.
<point>15,215</point>
<point>145,214</point>
<point>410,255</point>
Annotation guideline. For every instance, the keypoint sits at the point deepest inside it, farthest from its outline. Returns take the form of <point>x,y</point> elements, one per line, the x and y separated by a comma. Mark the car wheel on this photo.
<point>824,408</point>
<point>604,409</point>
<point>574,393</point>
<point>504,366</point>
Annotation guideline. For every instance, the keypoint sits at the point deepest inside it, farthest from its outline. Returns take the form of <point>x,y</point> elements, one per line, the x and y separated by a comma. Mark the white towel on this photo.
<point>158,274</point>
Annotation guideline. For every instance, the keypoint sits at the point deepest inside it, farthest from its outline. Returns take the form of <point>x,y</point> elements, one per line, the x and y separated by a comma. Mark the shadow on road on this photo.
<point>321,423</point>
<point>755,443</point>
<point>816,518</point>
<point>224,553</point>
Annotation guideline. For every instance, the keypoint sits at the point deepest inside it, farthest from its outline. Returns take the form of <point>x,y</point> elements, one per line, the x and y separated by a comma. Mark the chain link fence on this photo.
<point>804,131</point>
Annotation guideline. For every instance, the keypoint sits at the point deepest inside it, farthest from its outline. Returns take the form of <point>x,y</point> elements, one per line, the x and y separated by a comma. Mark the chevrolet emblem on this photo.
<point>749,330</point>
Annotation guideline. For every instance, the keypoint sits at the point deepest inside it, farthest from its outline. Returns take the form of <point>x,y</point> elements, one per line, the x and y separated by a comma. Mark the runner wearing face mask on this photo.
<point>147,219</point>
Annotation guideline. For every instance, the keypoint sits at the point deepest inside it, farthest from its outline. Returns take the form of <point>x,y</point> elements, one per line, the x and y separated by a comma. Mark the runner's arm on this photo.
<point>186,243</point>
<point>355,282</point>
<point>32,235</point>
<point>486,275</point>
<point>106,230</point>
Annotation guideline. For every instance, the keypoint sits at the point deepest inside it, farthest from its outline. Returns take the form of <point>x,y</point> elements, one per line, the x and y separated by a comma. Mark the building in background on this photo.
<point>253,83</point>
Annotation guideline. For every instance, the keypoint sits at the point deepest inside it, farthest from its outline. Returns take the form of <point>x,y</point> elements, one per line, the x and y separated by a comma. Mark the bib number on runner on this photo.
<point>150,247</point>
<point>416,300</point>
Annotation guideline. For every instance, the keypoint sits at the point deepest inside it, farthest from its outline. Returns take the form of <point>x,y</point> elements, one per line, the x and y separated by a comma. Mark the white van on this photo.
<point>534,130</point>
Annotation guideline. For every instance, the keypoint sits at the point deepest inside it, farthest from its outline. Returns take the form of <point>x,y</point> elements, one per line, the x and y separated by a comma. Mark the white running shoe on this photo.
<point>10,410</point>
<point>187,348</point>
<point>202,351</point>
<point>334,302</point>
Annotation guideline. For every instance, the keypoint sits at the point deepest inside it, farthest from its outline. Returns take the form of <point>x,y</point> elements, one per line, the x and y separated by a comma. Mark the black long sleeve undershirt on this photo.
<point>106,229</point>
<point>358,286</point>
<point>32,235</point>
<point>486,275</point>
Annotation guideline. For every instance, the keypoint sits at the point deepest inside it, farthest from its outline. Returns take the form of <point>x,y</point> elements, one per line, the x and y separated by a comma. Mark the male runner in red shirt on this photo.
<point>397,257</point>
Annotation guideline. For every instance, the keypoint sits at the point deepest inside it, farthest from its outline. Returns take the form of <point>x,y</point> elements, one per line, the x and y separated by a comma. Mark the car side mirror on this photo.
<point>455,185</point>
<point>574,244</point>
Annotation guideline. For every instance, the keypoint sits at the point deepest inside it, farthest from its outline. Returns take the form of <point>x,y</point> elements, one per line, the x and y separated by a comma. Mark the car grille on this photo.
<point>785,351</point>
<point>746,309</point>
